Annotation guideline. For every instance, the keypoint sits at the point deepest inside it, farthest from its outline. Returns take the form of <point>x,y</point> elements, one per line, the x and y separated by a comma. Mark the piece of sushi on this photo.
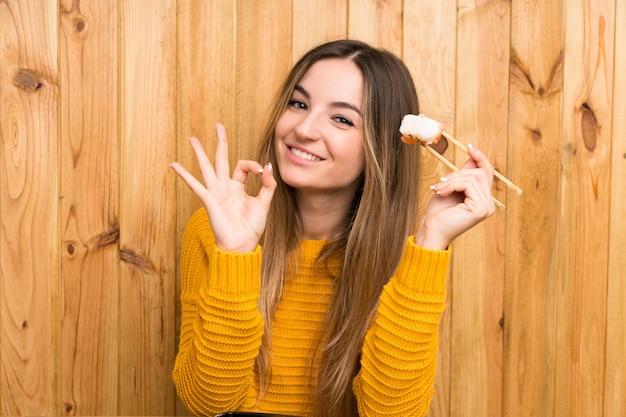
<point>419,128</point>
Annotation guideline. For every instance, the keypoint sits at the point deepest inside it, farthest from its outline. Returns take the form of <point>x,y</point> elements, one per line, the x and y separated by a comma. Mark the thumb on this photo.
<point>266,193</point>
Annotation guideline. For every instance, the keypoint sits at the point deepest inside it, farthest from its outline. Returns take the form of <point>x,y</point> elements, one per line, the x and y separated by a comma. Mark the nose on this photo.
<point>309,127</point>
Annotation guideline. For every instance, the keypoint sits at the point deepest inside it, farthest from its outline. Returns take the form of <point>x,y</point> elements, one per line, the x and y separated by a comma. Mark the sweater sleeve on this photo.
<point>221,326</point>
<point>399,351</point>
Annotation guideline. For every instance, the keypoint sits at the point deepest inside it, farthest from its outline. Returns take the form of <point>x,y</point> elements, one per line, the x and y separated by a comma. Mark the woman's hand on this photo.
<point>237,219</point>
<point>462,199</point>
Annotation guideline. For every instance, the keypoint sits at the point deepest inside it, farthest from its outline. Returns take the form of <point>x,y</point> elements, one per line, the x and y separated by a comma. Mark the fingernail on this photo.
<point>269,166</point>
<point>442,179</point>
<point>470,146</point>
<point>260,170</point>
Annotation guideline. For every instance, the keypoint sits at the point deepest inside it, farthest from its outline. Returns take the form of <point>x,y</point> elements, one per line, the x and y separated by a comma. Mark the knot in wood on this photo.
<point>79,24</point>
<point>589,126</point>
<point>26,80</point>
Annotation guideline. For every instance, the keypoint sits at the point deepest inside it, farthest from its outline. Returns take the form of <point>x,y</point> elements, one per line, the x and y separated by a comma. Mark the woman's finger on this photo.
<point>478,167</point>
<point>481,161</point>
<point>269,186</point>
<point>243,168</point>
<point>206,169</point>
<point>222,167</point>
<point>476,191</point>
<point>476,174</point>
<point>196,186</point>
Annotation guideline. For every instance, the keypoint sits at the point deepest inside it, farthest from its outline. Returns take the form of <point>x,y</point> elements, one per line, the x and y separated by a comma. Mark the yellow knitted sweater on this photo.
<point>221,330</point>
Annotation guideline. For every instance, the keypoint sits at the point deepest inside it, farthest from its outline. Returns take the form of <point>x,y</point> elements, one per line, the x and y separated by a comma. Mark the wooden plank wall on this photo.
<point>97,97</point>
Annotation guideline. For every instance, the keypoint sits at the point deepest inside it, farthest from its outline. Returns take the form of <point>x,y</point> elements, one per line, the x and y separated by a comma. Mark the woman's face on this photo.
<point>319,137</point>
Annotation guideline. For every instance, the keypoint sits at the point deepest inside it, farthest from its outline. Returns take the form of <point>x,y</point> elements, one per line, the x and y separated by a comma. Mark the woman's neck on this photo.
<point>323,215</point>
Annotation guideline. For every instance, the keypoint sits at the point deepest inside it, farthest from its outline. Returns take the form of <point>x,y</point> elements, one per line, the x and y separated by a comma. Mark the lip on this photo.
<point>299,160</point>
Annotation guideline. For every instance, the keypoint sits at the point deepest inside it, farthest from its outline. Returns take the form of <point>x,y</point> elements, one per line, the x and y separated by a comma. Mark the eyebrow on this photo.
<point>341,104</point>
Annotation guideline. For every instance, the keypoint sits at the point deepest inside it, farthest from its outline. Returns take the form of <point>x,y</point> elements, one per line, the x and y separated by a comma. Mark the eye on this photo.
<point>343,120</point>
<point>297,104</point>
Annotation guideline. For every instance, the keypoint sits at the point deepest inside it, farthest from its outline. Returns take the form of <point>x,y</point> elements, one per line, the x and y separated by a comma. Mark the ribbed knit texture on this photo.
<point>221,330</point>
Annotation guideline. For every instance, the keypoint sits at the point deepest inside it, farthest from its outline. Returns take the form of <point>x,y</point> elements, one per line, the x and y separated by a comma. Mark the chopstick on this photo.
<point>453,167</point>
<point>504,179</point>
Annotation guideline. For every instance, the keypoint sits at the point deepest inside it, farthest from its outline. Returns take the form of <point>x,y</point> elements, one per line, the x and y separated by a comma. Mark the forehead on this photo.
<point>338,78</point>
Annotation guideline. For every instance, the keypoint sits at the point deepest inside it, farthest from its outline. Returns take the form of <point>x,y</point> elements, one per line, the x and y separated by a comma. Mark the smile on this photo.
<point>304,155</point>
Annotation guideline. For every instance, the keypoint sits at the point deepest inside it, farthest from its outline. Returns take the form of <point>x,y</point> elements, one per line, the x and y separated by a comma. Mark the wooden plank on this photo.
<point>478,255</point>
<point>536,85</point>
<point>377,22</point>
<point>585,202</point>
<point>615,364</point>
<point>323,21</point>
<point>29,249</point>
<point>264,52</point>
<point>147,207</point>
<point>89,208</point>
<point>430,56</point>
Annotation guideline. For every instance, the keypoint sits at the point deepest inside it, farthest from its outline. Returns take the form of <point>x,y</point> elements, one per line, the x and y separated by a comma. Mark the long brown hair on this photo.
<point>383,215</point>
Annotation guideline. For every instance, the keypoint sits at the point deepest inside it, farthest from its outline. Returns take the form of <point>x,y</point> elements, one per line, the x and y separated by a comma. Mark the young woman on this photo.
<point>320,294</point>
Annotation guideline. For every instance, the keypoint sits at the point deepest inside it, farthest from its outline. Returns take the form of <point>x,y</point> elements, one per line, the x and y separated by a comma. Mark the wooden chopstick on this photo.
<point>453,167</point>
<point>504,179</point>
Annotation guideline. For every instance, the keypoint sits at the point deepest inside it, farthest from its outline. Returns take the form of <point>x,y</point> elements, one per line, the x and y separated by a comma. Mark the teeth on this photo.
<point>304,155</point>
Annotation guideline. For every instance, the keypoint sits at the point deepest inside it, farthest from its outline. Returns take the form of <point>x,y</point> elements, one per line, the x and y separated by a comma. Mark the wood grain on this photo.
<point>89,208</point>
<point>97,98</point>
<point>147,207</point>
<point>615,376</point>
<point>478,261</point>
<point>377,22</point>
<point>530,320</point>
<point>585,192</point>
<point>29,230</point>
<point>317,22</point>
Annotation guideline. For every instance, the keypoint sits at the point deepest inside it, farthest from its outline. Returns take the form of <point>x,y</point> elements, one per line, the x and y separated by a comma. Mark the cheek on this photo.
<point>353,157</point>
<point>283,125</point>
<point>279,133</point>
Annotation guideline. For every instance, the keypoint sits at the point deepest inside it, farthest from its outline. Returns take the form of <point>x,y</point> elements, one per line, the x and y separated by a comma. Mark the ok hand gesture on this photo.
<point>237,219</point>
